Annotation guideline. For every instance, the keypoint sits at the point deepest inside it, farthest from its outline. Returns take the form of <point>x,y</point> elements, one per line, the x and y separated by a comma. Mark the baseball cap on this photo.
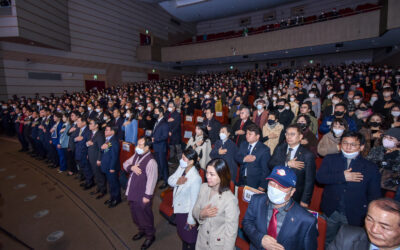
<point>284,176</point>
<point>394,132</point>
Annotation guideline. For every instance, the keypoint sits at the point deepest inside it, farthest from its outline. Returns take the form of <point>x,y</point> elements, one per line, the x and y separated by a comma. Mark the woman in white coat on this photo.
<point>217,209</point>
<point>186,182</point>
<point>202,144</point>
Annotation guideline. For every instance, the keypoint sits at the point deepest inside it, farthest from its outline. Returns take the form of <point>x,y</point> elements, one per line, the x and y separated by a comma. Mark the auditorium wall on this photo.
<point>103,40</point>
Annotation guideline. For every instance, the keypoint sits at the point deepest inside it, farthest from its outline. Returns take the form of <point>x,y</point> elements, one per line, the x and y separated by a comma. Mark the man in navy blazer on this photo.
<point>117,122</point>
<point>275,221</point>
<point>300,160</point>
<point>253,157</point>
<point>160,141</point>
<point>351,182</point>
<point>81,152</point>
<point>174,123</point>
<point>109,165</point>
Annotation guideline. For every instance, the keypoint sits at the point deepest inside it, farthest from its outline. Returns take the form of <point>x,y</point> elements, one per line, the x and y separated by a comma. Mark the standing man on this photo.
<point>94,154</point>
<point>253,157</point>
<point>117,122</point>
<point>213,126</point>
<point>109,165</point>
<point>160,141</point>
<point>275,221</point>
<point>142,168</point>
<point>240,126</point>
<point>174,124</point>
<point>72,133</point>
<point>81,152</point>
<point>302,161</point>
<point>351,182</point>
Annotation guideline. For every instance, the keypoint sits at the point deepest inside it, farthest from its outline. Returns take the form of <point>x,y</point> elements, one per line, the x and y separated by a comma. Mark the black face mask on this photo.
<point>280,106</point>
<point>339,113</point>
<point>303,126</point>
<point>156,116</point>
<point>363,108</point>
<point>271,122</point>
<point>374,124</point>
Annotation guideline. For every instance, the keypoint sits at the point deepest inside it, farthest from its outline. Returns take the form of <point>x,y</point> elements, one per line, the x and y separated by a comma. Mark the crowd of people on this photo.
<point>278,123</point>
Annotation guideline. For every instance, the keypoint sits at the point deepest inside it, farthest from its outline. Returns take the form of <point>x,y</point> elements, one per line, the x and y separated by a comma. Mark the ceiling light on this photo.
<point>183,3</point>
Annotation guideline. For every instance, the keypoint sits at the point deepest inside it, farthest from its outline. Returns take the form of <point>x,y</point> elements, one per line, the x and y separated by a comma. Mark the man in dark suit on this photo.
<point>240,126</point>
<point>109,165</point>
<point>94,154</point>
<point>72,133</point>
<point>117,122</point>
<point>300,160</point>
<point>174,124</point>
<point>285,115</point>
<point>213,126</point>
<point>382,229</point>
<point>160,141</point>
<point>81,152</point>
<point>275,221</point>
<point>351,182</point>
<point>253,157</point>
<point>91,113</point>
<point>234,112</point>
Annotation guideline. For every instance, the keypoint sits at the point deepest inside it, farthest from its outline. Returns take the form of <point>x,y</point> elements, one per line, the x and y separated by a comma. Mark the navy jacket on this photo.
<point>257,171</point>
<point>215,127</point>
<point>229,156</point>
<point>357,195</point>
<point>305,177</point>
<point>81,151</point>
<point>160,136</point>
<point>174,127</point>
<point>298,231</point>
<point>325,128</point>
<point>118,123</point>
<point>110,156</point>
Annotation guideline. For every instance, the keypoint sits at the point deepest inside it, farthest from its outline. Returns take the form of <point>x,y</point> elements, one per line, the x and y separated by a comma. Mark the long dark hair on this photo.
<point>202,126</point>
<point>191,154</point>
<point>222,169</point>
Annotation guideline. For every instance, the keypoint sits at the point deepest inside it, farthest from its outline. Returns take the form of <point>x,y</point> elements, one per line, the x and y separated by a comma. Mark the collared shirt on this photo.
<point>252,146</point>
<point>108,138</point>
<point>293,153</point>
<point>373,247</point>
<point>280,217</point>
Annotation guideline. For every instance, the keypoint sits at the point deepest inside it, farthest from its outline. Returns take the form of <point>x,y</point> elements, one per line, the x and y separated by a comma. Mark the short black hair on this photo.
<point>359,137</point>
<point>254,128</point>
<point>147,141</point>
<point>295,126</point>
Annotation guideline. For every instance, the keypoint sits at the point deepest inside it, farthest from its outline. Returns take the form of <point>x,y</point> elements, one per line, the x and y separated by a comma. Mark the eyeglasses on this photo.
<point>290,134</point>
<point>353,145</point>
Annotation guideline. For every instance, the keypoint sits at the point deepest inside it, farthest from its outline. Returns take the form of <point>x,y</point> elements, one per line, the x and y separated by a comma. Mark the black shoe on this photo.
<point>138,236</point>
<point>114,203</point>
<point>88,186</point>
<point>108,201</point>
<point>147,243</point>
<point>82,184</point>
<point>98,197</point>
<point>21,150</point>
<point>81,178</point>
<point>163,186</point>
<point>95,192</point>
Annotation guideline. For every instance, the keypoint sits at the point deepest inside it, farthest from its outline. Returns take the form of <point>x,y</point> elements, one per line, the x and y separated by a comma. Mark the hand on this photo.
<point>293,163</point>
<point>353,176</point>
<point>136,169</point>
<point>303,204</point>
<point>98,163</point>
<point>58,146</point>
<point>270,243</point>
<point>52,130</point>
<point>261,189</point>
<point>50,142</point>
<point>148,118</point>
<point>377,135</point>
<point>140,117</point>
<point>222,151</point>
<point>304,142</point>
<point>152,139</point>
<point>199,143</point>
<point>191,226</point>
<point>208,128</point>
<point>238,112</point>
<point>169,133</point>
<point>72,129</point>
<point>79,138</point>
<point>249,158</point>
<point>208,212</point>
<point>388,105</point>
<point>89,143</point>
<point>272,136</point>
<point>240,132</point>
<point>182,180</point>
<point>145,200</point>
<point>126,123</point>
<point>62,130</point>
<point>104,146</point>
<point>171,119</point>
<point>112,170</point>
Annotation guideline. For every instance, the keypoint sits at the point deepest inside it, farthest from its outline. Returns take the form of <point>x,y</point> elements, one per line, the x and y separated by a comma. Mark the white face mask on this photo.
<point>139,151</point>
<point>127,115</point>
<point>182,163</point>
<point>89,108</point>
<point>350,155</point>
<point>374,98</point>
<point>98,110</point>
<point>388,143</point>
<point>222,136</point>
<point>156,103</point>
<point>206,96</point>
<point>337,132</point>
<point>259,106</point>
<point>357,101</point>
<point>395,113</point>
<point>148,109</point>
<point>170,109</point>
<point>274,98</point>
<point>276,196</point>
<point>292,99</point>
<point>140,108</point>
<point>312,95</point>
<point>335,102</point>
<point>105,118</point>
<point>126,107</point>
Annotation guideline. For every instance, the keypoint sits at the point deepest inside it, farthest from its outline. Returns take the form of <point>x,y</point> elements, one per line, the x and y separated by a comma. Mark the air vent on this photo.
<point>44,76</point>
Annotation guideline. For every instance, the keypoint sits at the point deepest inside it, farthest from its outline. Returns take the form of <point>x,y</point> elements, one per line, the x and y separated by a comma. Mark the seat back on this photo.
<point>127,150</point>
<point>316,198</point>
<point>321,233</point>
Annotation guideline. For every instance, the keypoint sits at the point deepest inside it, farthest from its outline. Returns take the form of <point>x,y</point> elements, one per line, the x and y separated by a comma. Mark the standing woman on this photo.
<point>63,145</point>
<point>216,209</point>
<point>201,144</point>
<point>186,182</point>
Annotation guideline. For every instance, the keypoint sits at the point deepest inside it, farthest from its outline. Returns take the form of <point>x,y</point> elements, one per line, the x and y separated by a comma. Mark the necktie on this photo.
<point>92,136</point>
<point>273,223</point>
<point>288,155</point>
<point>249,149</point>
<point>80,132</point>
<point>241,127</point>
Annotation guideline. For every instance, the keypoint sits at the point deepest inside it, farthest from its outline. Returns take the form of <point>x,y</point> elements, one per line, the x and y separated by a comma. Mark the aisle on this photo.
<point>36,201</point>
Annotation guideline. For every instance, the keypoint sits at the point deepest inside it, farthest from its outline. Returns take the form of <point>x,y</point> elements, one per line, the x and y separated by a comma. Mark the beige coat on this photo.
<point>205,148</point>
<point>267,131</point>
<point>219,232</point>
<point>328,145</point>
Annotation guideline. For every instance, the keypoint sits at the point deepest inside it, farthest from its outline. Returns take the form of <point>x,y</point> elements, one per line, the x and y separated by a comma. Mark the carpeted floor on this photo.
<point>36,201</point>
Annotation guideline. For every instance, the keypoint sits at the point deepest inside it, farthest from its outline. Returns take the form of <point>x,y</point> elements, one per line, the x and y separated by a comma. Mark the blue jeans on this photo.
<point>333,224</point>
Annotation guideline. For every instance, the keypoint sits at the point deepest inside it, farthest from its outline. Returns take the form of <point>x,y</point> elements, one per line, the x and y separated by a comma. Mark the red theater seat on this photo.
<point>321,233</point>
<point>316,198</point>
<point>166,209</point>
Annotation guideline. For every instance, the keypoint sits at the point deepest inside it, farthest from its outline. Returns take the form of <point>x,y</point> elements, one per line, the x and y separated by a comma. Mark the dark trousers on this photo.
<point>99,177</point>
<point>161,158</point>
<point>43,151</point>
<point>22,141</point>
<point>114,187</point>
<point>71,163</point>
<point>142,216</point>
<point>53,157</point>
<point>86,170</point>
<point>62,159</point>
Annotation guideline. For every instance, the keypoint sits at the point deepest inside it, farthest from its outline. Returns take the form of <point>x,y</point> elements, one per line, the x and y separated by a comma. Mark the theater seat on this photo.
<point>127,150</point>
<point>316,198</point>
<point>240,242</point>
<point>321,233</point>
<point>166,209</point>
<point>140,133</point>
<point>202,174</point>
<point>390,194</point>
<point>318,162</point>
